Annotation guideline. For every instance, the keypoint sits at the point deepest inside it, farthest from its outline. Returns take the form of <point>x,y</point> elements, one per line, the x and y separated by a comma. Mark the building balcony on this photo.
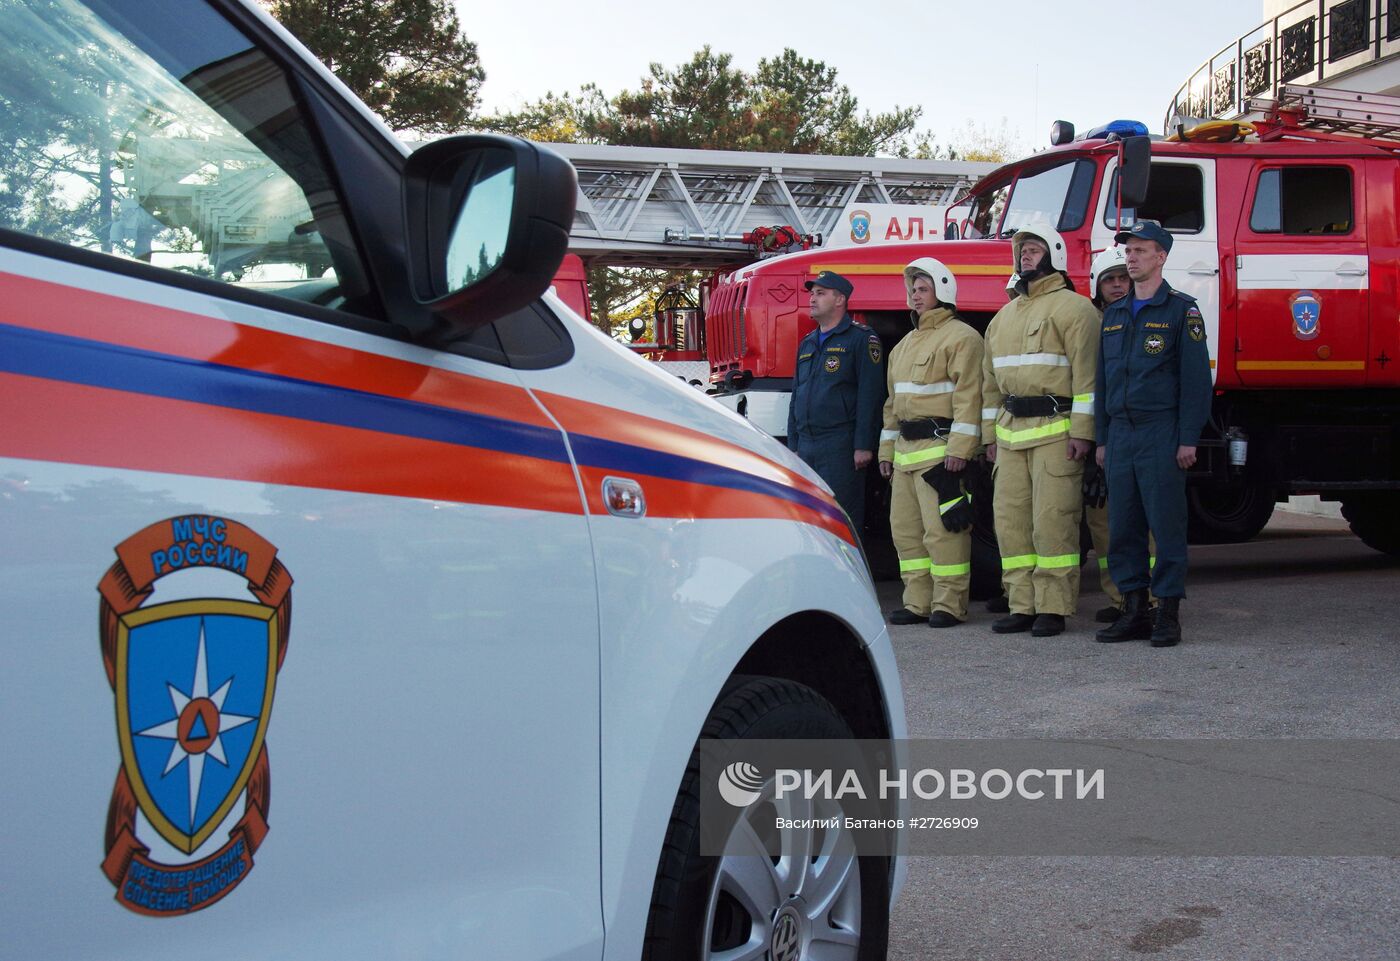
<point>1345,43</point>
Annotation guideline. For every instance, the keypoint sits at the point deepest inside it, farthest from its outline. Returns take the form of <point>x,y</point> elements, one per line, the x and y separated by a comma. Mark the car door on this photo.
<point>1302,270</point>
<point>302,653</point>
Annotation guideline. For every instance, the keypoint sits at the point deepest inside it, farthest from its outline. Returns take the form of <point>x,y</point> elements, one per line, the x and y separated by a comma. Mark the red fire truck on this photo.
<point>1286,233</point>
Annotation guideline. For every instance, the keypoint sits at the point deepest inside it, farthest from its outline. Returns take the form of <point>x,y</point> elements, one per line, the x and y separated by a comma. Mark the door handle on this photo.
<point>1203,270</point>
<point>1351,271</point>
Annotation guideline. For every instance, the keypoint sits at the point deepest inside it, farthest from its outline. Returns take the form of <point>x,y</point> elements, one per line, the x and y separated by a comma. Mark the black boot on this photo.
<point>942,619</point>
<point>1167,631</point>
<point>1013,624</point>
<point>1048,625</point>
<point>998,605</point>
<point>1133,624</point>
<point>902,615</point>
<point>1107,615</point>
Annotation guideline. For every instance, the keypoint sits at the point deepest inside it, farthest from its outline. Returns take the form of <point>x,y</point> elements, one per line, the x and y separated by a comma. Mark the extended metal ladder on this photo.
<point>689,208</point>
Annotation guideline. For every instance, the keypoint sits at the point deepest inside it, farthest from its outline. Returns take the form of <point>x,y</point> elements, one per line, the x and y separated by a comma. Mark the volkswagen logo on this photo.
<point>786,944</point>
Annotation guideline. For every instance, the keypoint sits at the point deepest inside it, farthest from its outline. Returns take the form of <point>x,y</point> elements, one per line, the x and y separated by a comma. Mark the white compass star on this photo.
<point>170,730</point>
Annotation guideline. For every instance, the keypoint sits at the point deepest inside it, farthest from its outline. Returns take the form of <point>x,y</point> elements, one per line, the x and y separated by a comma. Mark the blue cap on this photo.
<point>832,281</point>
<point>1146,230</point>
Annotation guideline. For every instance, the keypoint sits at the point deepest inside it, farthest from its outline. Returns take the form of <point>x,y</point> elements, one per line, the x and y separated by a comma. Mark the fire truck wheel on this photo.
<point>1230,516</point>
<point>834,902</point>
<point>1374,517</point>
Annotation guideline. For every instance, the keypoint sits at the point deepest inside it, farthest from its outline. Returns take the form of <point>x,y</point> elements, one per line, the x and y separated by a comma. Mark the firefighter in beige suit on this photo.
<point>931,431</point>
<point>1040,365</point>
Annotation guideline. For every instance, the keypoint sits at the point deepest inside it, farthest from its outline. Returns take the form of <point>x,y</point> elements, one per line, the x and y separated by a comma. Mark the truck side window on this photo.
<point>1302,200</point>
<point>158,132</point>
<point>1175,199</point>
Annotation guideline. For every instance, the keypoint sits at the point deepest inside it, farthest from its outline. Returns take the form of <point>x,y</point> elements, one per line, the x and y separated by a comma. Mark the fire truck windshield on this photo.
<point>1058,194</point>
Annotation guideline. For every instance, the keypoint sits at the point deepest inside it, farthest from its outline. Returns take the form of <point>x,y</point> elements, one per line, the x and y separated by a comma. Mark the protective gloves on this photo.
<point>954,504</point>
<point>1095,484</point>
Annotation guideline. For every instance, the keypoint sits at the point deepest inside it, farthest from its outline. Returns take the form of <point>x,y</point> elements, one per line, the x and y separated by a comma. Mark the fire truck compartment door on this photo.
<point>1180,196</point>
<point>1302,276</point>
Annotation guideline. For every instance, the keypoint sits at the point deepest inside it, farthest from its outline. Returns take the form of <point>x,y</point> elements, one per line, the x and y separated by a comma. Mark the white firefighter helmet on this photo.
<point>1103,263</point>
<point>945,285</point>
<point>1049,236</point>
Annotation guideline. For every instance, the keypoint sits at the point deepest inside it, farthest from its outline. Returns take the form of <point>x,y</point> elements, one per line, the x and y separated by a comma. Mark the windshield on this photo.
<point>170,140</point>
<point>1058,195</point>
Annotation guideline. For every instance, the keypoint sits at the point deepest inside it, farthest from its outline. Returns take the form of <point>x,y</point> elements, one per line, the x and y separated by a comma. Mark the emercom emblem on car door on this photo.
<point>193,680</point>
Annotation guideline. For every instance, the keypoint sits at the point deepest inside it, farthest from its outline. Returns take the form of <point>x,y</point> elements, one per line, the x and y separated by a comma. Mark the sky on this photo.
<point>1028,62</point>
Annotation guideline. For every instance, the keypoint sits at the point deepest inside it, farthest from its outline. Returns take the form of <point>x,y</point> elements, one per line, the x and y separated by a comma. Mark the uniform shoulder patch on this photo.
<point>1195,326</point>
<point>875,348</point>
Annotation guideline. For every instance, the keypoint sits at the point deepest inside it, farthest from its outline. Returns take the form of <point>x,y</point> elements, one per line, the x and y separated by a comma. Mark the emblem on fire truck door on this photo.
<point>1307,314</point>
<point>193,679</point>
<point>860,226</point>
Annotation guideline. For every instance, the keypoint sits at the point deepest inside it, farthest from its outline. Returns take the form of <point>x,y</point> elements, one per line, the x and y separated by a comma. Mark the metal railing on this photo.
<point>1306,44</point>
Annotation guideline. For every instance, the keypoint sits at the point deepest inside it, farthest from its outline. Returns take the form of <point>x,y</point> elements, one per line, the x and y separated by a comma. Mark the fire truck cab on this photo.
<point>1284,231</point>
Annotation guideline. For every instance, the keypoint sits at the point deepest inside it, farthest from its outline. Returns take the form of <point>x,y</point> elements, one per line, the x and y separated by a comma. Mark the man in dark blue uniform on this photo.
<point>1153,400</point>
<point>838,394</point>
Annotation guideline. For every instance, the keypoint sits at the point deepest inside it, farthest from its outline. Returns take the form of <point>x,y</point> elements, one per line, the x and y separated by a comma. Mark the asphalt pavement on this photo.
<point>1294,635</point>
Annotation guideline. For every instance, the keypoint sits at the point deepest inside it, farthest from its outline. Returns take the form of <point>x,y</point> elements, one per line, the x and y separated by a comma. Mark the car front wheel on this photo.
<point>818,899</point>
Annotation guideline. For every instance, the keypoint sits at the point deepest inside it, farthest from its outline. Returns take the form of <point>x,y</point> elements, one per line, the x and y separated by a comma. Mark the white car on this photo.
<point>251,351</point>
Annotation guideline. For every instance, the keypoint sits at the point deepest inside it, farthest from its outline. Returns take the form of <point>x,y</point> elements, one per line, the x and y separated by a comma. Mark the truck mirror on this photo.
<point>1134,168</point>
<point>487,222</point>
<point>950,230</point>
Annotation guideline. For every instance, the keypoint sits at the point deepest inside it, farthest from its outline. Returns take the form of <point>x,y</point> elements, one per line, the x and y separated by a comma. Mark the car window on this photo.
<point>156,131</point>
<point>1302,200</point>
<point>534,338</point>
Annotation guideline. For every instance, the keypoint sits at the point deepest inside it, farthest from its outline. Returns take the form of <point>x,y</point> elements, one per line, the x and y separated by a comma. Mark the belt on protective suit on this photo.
<point>1046,405</point>
<point>926,428</point>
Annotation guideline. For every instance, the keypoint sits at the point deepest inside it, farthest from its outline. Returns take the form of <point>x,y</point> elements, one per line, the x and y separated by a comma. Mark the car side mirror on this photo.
<point>1134,168</point>
<point>487,222</point>
<point>950,230</point>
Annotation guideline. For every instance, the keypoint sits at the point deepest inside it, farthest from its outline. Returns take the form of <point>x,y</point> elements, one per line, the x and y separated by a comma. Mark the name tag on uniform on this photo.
<point>836,350</point>
<point>1152,326</point>
<point>1115,327</point>
<point>804,356</point>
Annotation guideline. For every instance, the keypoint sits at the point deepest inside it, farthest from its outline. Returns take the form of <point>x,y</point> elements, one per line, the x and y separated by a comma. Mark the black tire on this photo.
<point>1230,515</point>
<point>677,929</point>
<point>1374,517</point>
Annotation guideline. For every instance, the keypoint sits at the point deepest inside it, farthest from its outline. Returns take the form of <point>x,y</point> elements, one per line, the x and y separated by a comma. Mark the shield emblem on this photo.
<point>1307,314</point>
<point>194,686</point>
<point>860,226</point>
